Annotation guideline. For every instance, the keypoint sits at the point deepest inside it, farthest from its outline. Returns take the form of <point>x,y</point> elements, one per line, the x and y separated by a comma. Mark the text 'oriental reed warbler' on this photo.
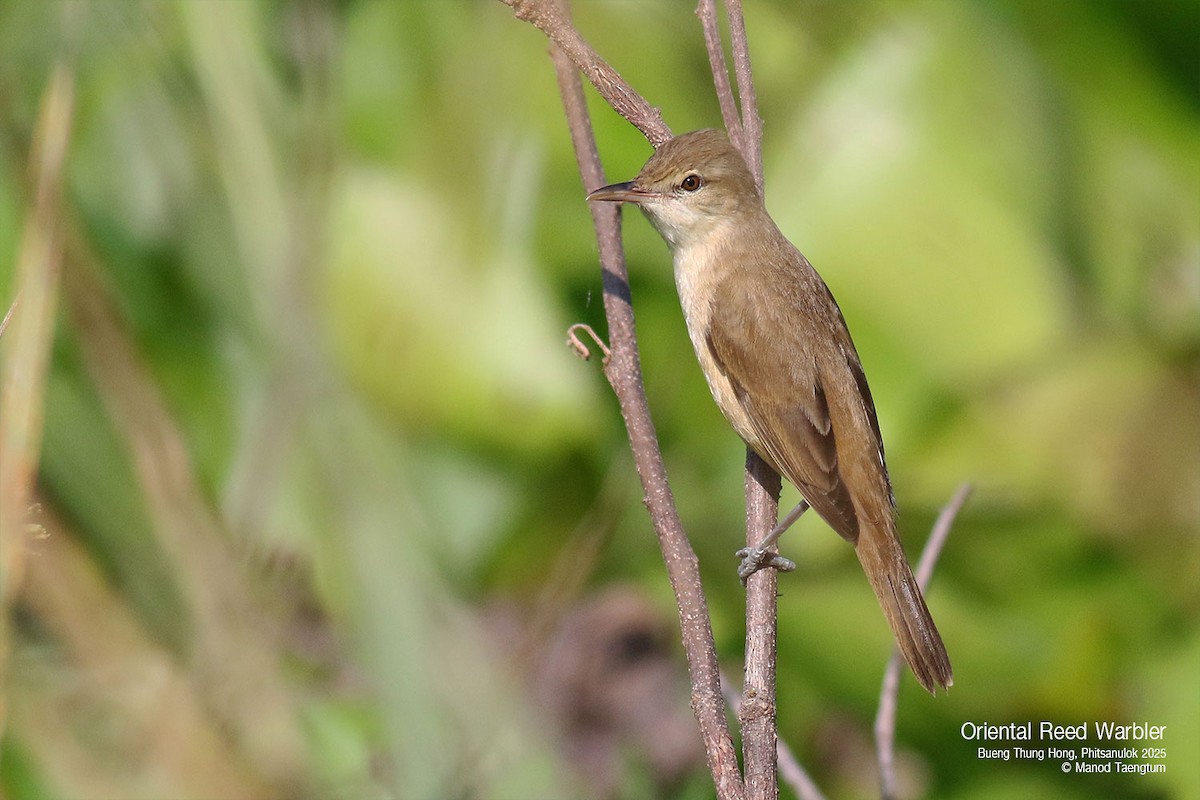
<point>781,365</point>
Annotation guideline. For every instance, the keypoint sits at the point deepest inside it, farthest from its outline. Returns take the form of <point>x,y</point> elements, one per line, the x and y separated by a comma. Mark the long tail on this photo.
<point>887,569</point>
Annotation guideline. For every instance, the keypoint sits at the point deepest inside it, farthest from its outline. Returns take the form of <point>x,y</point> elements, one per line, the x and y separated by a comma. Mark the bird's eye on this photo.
<point>690,183</point>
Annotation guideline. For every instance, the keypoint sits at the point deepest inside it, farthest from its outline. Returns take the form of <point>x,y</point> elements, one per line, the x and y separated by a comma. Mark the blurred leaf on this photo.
<point>949,260</point>
<point>472,349</point>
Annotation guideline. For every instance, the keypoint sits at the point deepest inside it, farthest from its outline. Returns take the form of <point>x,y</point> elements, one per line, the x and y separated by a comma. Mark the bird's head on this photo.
<point>691,184</point>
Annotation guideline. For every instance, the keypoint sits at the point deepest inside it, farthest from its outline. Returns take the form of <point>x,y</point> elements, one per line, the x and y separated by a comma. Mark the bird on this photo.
<point>777,355</point>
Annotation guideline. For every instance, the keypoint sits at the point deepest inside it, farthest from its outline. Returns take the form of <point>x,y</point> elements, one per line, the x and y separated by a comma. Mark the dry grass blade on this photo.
<point>120,672</point>
<point>8,315</point>
<point>26,350</point>
<point>233,657</point>
<point>25,353</point>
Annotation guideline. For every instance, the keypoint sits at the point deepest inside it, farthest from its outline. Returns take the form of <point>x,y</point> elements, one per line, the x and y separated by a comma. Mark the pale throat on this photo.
<point>697,252</point>
<point>699,241</point>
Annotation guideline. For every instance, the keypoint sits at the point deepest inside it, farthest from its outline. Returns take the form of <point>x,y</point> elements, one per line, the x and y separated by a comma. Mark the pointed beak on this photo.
<point>619,193</point>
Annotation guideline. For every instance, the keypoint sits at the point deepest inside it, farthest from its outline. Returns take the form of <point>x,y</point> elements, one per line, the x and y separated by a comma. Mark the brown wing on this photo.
<point>780,382</point>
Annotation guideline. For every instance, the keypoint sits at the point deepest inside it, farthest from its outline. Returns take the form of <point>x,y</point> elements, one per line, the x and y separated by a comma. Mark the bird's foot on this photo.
<point>756,558</point>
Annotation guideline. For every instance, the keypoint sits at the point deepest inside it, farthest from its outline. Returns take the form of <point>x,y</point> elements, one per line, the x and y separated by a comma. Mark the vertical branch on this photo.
<point>751,121</point>
<point>791,771</point>
<point>623,370</point>
<point>707,12</point>
<point>885,719</point>
<point>757,712</point>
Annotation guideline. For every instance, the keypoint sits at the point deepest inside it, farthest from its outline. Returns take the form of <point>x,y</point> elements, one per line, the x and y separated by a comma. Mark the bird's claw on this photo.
<point>756,558</point>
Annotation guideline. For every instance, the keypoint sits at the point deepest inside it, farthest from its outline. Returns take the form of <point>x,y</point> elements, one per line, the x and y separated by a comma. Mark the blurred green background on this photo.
<point>321,487</point>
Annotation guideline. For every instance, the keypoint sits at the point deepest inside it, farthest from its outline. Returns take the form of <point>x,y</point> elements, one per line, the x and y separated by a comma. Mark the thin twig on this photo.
<point>941,531</point>
<point>550,18</point>
<point>581,349</point>
<point>885,719</point>
<point>707,12</point>
<point>747,99</point>
<point>795,776</point>
<point>885,727</point>
<point>623,371</point>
